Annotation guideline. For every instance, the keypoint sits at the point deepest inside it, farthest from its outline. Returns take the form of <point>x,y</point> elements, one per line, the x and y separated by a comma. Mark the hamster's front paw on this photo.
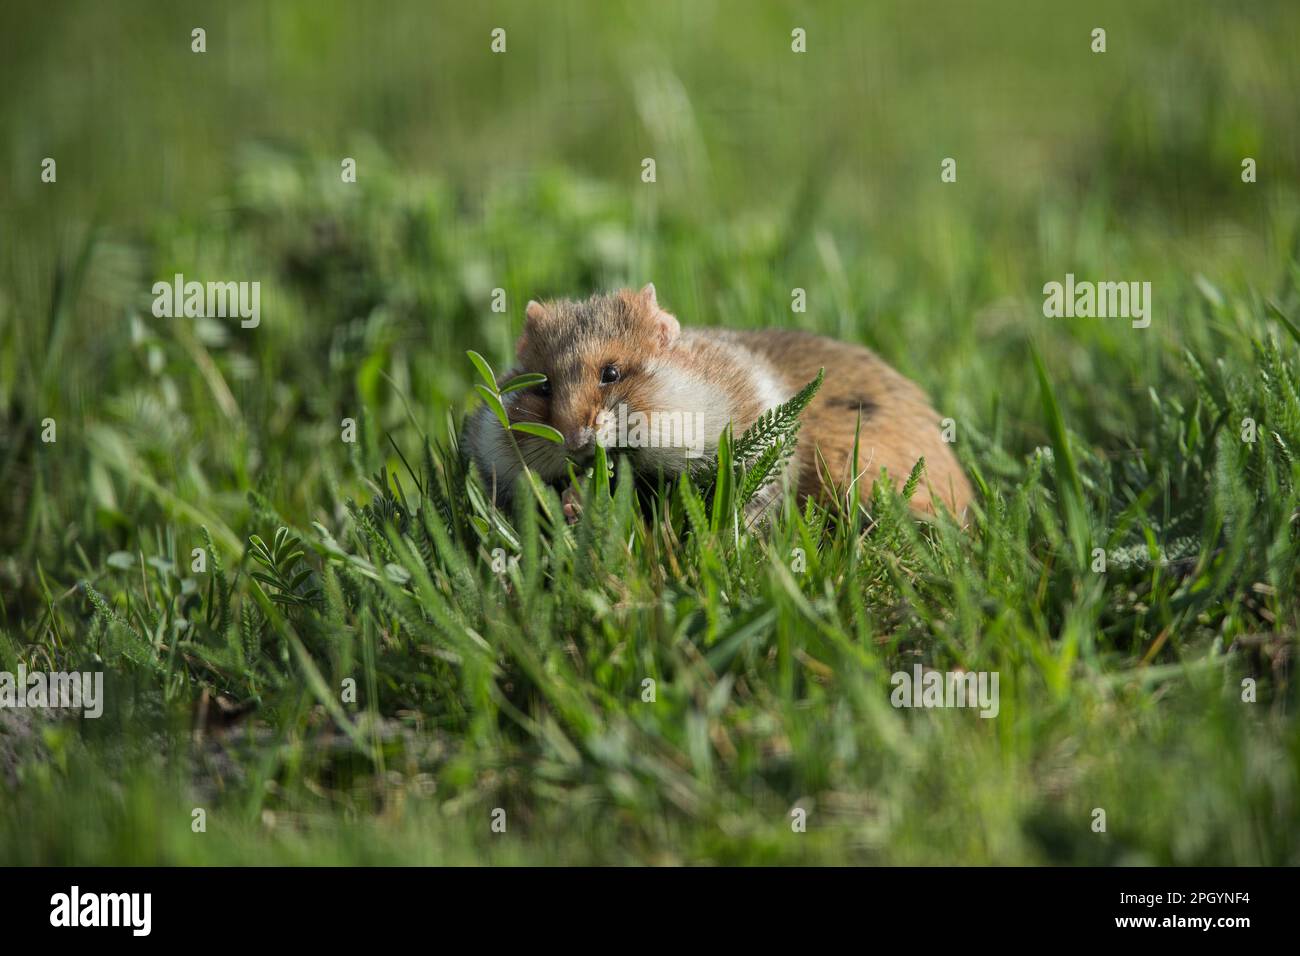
<point>572,499</point>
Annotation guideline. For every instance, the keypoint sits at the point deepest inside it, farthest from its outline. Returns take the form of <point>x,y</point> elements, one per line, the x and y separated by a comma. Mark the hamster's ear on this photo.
<point>665,322</point>
<point>534,315</point>
<point>669,328</point>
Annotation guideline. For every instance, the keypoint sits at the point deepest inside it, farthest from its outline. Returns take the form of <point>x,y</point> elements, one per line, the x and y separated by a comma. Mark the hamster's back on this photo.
<point>898,424</point>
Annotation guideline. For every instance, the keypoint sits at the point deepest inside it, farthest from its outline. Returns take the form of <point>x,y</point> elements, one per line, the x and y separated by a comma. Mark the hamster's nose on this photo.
<point>580,440</point>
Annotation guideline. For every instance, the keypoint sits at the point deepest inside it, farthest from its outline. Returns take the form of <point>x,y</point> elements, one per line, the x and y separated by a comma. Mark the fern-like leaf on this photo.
<point>776,424</point>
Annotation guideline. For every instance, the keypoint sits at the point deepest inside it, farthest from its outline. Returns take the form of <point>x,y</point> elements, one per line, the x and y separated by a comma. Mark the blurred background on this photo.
<point>522,170</point>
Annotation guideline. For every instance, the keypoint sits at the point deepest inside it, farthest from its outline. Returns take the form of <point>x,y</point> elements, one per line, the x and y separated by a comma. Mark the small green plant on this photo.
<point>768,444</point>
<point>492,394</point>
<point>283,569</point>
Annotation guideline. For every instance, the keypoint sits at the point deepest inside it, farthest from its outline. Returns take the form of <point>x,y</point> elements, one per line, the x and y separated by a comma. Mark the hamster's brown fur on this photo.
<point>718,375</point>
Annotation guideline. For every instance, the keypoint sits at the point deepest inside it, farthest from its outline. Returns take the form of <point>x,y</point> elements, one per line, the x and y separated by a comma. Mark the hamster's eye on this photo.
<point>609,375</point>
<point>544,389</point>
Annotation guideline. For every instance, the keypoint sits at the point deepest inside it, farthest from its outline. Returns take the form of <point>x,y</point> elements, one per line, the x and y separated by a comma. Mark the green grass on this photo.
<point>523,690</point>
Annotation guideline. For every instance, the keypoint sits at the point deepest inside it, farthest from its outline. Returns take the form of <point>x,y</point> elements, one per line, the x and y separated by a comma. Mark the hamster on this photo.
<point>621,370</point>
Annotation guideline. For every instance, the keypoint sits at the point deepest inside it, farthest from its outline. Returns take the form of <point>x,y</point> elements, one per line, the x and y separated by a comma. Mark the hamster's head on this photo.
<point>596,355</point>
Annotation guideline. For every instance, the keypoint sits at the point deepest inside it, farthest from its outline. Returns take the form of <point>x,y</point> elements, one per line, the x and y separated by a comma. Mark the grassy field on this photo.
<point>1159,690</point>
